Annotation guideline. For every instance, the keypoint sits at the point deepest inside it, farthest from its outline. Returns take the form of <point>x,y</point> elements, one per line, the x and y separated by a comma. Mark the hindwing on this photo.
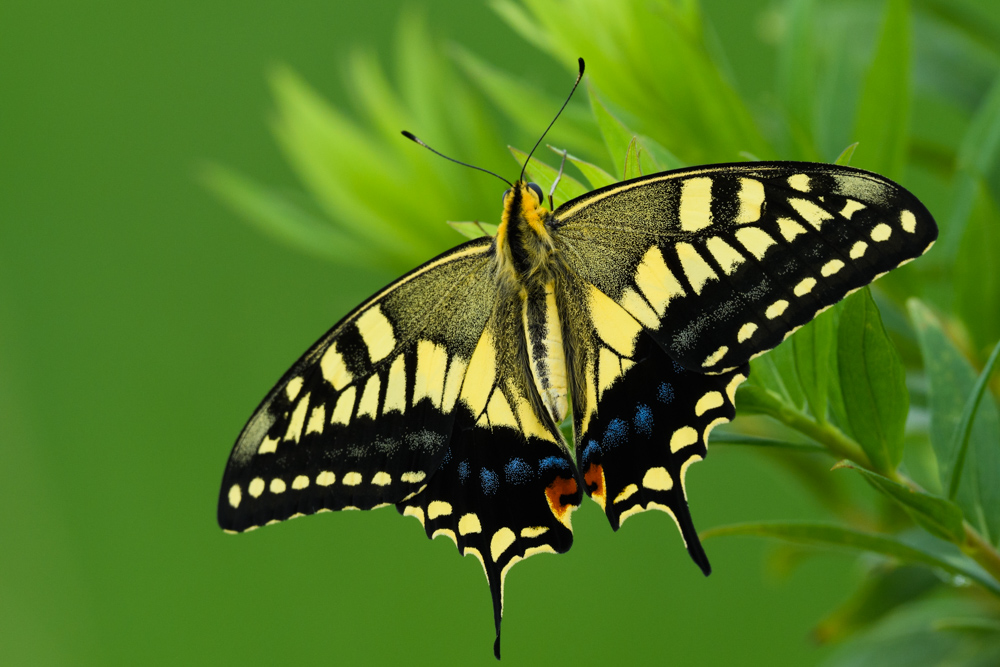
<point>640,418</point>
<point>721,263</point>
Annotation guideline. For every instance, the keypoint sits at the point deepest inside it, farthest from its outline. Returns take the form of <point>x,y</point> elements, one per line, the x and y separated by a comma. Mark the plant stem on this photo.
<point>841,446</point>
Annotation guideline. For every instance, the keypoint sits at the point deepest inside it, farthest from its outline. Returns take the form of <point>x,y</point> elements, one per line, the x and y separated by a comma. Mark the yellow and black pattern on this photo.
<point>636,307</point>
<point>722,263</point>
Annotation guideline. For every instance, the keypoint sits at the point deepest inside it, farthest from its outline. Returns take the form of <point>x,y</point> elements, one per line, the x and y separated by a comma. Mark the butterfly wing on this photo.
<point>679,279</point>
<point>364,417</point>
<point>721,263</point>
<point>506,487</point>
<point>420,398</point>
<point>640,418</point>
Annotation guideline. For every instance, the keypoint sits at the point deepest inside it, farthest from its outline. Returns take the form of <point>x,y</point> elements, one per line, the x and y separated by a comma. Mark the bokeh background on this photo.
<point>141,321</point>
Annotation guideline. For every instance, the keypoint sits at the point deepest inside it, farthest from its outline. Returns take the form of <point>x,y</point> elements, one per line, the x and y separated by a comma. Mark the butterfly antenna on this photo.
<point>414,139</point>
<point>568,97</point>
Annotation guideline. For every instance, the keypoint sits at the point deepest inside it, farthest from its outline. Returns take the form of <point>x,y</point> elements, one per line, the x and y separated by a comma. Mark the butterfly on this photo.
<point>632,310</point>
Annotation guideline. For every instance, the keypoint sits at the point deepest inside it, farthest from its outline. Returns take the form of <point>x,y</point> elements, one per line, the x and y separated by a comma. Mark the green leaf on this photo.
<point>752,399</point>
<point>531,108</point>
<point>796,68</point>
<point>720,438</point>
<point>951,381</point>
<point>826,535</point>
<point>617,137</point>
<point>632,168</point>
<point>545,175</point>
<point>978,155</point>
<point>813,346</point>
<point>882,122</point>
<point>660,159</point>
<point>474,230</point>
<point>942,518</point>
<point>280,218</point>
<point>963,430</point>
<point>596,176</point>
<point>776,371</point>
<point>872,381</point>
<point>885,589</point>
<point>977,273</point>
<point>844,159</point>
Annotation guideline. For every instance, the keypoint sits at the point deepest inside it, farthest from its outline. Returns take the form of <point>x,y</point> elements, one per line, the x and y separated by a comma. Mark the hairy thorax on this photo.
<point>529,267</point>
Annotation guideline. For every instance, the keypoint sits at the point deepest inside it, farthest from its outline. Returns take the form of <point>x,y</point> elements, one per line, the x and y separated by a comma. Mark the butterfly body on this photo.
<point>634,309</point>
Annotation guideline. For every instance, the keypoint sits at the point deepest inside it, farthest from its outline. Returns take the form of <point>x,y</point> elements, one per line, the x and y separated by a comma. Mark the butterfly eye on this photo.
<point>537,190</point>
<point>503,199</point>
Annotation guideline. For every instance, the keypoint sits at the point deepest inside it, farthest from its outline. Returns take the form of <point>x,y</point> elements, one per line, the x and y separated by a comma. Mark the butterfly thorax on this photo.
<point>528,266</point>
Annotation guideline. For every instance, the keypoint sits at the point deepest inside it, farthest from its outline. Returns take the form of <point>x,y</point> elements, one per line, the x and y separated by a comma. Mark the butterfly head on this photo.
<point>524,242</point>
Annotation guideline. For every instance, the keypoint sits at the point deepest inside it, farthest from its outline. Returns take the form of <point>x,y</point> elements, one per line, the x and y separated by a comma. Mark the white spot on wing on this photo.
<point>751,199</point>
<point>352,479</point>
<point>235,496</point>
<point>656,282</point>
<point>293,387</point>
<point>300,482</point>
<point>376,331</point>
<point>755,240</point>
<point>413,477</point>
<point>657,479</point>
<point>277,485</point>
<point>709,401</point>
<point>468,524</point>
<point>805,286</point>
<point>799,182</point>
<point>881,232</point>
<point>776,309</point>
<point>809,211</point>
<point>696,204</point>
<point>746,331</point>
<point>381,479</point>
<point>438,508</point>
<point>256,487</point>
<point>831,267</point>
<point>395,393</point>
<point>345,405</point>
<point>501,541</point>
<point>858,250</point>
<point>683,437</point>
<point>369,398</point>
<point>850,208</point>
<point>334,369</point>
<point>908,221</point>
<point>325,478</point>
<point>725,255</point>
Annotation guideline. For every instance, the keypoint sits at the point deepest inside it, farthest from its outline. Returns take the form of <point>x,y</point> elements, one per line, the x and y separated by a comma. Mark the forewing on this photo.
<point>365,416</point>
<point>640,418</point>
<point>721,263</point>
<point>506,485</point>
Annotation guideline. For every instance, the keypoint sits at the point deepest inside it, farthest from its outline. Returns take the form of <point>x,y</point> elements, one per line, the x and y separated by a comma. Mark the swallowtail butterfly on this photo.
<point>634,308</point>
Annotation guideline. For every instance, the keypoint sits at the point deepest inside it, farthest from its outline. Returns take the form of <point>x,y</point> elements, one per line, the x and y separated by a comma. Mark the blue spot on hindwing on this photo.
<point>489,480</point>
<point>550,462</point>
<point>589,451</point>
<point>643,419</point>
<point>463,471</point>
<point>665,392</point>
<point>615,434</point>
<point>517,471</point>
<point>447,457</point>
<point>678,368</point>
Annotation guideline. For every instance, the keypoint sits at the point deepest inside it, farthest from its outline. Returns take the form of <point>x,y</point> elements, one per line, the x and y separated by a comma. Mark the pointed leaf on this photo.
<point>826,535</point>
<point>280,218</point>
<point>882,122</point>
<point>545,175</point>
<point>844,159</point>
<point>617,137</point>
<point>632,168</point>
<point>813,346</point>
<point>474,230</point>
<point>884,590</point>
<point>978,154</point>
<point>963,430</point>
<point>597,177</point>
<point>719,438</point>
<point>951,381</point>
<point>872,381</point>
<point>752,399</point>
<point>942,518</point>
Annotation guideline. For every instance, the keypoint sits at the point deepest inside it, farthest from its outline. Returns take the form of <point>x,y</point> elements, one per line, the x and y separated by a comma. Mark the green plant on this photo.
<point>899,393</point>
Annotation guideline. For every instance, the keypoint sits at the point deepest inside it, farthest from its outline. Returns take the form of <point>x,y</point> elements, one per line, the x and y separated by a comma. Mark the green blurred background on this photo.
<point>141,322</point>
